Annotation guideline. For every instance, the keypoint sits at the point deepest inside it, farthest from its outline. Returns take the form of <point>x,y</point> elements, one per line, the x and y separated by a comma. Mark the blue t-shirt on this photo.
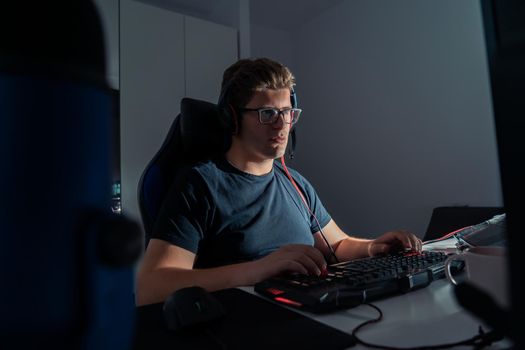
<point>226,216</point>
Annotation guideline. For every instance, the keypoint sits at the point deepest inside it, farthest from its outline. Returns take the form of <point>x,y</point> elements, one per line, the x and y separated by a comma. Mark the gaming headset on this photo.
<point>230,117</point>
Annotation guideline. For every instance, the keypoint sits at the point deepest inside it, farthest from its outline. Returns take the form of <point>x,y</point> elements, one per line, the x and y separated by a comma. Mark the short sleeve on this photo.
<point>183,219</point>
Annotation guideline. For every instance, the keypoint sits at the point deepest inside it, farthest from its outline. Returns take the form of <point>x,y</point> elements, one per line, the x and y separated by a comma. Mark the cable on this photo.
<point>478,341</point>
<point>309,210</point>
<point>447,236</point>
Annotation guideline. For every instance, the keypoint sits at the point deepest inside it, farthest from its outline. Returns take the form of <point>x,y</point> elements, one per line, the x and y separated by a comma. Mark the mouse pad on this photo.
<point>250,323</point>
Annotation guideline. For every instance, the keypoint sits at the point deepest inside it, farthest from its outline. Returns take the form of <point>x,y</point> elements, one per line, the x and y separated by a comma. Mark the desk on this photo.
<point>428,316</point>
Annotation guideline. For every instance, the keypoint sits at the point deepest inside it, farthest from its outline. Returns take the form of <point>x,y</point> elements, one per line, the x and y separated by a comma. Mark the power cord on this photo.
<point>479,341</point>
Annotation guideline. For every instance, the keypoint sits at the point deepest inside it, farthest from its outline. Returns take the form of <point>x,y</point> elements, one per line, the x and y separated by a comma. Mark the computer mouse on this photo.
<point>190,308</point>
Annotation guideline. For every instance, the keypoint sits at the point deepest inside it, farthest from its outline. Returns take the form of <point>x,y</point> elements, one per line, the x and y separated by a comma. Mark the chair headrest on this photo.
<point>201,131</point>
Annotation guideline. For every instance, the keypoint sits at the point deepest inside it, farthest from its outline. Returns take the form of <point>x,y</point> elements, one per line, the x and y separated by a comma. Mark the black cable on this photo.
<point>478,342</point>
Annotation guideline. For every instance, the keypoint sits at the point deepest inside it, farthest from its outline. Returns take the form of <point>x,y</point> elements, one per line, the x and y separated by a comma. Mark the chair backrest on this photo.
<point>448,219</point>
<point>196,134</point>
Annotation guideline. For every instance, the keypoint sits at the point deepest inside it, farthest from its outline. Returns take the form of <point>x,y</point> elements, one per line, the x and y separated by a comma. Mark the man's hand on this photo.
<point>392,241</point>
<point>293,258</point>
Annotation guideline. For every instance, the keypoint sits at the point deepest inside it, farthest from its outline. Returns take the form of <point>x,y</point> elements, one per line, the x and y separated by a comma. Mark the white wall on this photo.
<point>230,13</point>
<point>397,116</point>
<point>152,84</point>
<point>164,57</point>
<point>202,38</point>
<point>271,42</point>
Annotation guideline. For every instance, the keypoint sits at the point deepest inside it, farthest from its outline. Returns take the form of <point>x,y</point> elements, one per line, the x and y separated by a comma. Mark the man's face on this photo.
<point>264,141</point>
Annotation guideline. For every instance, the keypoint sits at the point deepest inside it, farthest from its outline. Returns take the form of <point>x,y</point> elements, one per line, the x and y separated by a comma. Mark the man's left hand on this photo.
<point>394,240</point>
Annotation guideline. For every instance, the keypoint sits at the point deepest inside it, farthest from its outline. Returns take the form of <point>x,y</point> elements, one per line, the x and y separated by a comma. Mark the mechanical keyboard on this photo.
<point>349,284</point>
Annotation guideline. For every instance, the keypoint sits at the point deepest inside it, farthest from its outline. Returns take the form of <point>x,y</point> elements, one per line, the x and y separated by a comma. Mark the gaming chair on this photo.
<point>196,134</point>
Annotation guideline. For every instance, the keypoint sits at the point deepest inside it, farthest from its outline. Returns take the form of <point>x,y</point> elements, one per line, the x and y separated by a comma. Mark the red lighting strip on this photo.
<point>288,301</point>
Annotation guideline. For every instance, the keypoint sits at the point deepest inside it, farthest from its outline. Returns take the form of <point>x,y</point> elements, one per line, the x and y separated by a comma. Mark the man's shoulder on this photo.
<point>207,167</point>
<point>189,173</point>
<point>208,173</point>
<point>202,165</point>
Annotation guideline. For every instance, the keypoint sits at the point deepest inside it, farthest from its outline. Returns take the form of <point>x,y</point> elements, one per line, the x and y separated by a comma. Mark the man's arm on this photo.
<point>166,268</point>
<point>349,248</point>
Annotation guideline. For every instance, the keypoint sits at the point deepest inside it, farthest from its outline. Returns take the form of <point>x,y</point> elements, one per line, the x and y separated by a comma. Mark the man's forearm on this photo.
<point>352,248</point>
<point>156,285</point>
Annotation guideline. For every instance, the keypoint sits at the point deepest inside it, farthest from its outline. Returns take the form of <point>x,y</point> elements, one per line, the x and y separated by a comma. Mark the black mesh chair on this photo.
<point>195,135</point>
<point>448,219</point>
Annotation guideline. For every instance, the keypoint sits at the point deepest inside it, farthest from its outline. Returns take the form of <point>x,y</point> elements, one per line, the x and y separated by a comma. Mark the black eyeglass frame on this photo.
<point>276,117</point>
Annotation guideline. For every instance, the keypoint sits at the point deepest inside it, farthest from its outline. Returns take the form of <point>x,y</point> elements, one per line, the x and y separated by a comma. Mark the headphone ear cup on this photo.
<point>293,135</point>
<point>228,119</point>
<point>293,98</point>
<point>225,118</point>
<point>233,121</point>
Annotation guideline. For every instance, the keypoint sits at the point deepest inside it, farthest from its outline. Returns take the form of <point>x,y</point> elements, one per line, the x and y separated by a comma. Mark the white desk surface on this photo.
<point>428,316</point>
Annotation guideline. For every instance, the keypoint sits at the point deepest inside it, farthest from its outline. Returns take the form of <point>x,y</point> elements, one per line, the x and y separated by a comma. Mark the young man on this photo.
<point>237,220</point>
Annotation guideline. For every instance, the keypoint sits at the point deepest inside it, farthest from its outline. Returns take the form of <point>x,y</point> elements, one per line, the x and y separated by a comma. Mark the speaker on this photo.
<point>66,262</point>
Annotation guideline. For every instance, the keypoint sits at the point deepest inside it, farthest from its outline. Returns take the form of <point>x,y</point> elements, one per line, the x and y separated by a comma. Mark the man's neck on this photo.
<point>248,165</point>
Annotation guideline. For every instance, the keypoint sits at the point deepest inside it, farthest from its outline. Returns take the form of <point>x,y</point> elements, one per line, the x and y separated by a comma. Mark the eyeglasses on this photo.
<point>271,115</point>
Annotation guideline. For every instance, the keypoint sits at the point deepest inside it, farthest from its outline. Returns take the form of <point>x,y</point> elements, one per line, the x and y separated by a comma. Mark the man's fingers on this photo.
<point>419,245</point>
<point>295,267</point>
<point>312,253</point>
<point>400,238</point>
<point>313,267</point>
<point>406,238</point>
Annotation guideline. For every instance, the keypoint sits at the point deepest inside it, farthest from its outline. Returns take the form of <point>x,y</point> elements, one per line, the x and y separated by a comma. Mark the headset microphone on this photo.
<point>293,135</point>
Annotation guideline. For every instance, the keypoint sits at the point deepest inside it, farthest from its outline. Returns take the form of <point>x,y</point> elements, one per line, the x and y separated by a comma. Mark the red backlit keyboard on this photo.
<point>352,283</point>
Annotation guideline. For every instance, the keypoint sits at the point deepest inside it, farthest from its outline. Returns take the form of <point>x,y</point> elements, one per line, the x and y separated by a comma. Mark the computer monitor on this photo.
<point>504,28</point>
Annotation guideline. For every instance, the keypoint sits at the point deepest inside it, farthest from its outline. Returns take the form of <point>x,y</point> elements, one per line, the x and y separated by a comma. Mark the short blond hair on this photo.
<point>246,76</point>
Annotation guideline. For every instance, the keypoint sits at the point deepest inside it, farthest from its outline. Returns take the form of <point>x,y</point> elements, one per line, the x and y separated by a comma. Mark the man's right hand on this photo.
<point>292,258</point>
<point>166,268</point>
